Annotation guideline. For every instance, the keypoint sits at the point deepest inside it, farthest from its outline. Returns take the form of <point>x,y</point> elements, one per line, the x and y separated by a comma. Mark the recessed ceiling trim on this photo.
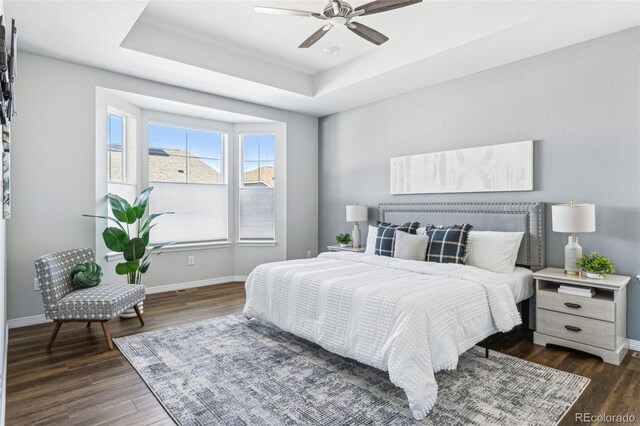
<point>162,43</point>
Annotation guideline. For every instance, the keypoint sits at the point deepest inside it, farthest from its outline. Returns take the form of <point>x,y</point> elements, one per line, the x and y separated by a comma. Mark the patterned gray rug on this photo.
<point>229,370</point>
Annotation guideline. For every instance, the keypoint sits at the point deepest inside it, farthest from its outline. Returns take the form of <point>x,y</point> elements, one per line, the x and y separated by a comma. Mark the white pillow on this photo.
<point>371,240</point>
<point>493,251</point>
<point>410,246</point>
<point>422,230</point>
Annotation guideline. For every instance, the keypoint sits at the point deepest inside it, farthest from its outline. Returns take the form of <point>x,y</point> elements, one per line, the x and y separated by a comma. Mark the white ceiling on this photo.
<point>225,48</point>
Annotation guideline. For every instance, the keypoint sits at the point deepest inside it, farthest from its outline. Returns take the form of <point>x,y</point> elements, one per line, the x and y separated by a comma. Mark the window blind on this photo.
<point>200,212</point>
<point>257,214</point>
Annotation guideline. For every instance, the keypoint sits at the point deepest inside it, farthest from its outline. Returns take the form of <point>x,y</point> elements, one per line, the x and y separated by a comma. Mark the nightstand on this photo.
<point>597,325</point>
<point>347,248</point>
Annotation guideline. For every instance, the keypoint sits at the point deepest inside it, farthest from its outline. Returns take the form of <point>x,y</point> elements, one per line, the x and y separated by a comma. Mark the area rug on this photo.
<point>233,371</point>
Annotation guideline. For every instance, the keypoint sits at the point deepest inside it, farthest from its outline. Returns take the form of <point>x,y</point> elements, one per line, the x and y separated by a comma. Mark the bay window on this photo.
<point>219,192</point>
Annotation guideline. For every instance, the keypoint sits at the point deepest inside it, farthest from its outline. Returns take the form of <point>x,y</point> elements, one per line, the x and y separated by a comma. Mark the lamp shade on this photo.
<point>357,213</point>
<point>573,218</point>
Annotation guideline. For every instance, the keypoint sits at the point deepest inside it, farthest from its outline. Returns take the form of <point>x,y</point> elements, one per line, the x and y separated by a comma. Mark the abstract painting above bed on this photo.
<point>503,167</point>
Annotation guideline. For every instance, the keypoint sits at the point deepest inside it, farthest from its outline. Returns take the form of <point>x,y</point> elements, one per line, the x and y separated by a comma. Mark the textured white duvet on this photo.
<point>407,317</point>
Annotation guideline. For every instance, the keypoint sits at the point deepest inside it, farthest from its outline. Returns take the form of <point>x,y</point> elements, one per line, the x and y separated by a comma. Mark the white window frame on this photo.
<point>113,111</point>
<point>240,185</point>
<point>193,123</point>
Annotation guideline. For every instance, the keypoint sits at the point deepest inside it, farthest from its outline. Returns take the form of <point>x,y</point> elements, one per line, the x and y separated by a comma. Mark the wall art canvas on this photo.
<point>504,167</point>
<point>6,176</point>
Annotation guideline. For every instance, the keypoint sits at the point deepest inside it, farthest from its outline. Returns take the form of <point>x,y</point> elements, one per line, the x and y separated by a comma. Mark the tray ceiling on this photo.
<point>225,48</point>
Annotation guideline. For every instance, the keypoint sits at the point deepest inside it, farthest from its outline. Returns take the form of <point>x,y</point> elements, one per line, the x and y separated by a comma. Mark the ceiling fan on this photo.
<point>338,12</point>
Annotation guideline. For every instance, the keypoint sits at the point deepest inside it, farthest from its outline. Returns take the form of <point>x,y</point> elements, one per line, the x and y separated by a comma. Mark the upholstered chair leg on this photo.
<point>107,335</point>
<point>89,324</point>
<point>54,334</point>
<point>135,307</point>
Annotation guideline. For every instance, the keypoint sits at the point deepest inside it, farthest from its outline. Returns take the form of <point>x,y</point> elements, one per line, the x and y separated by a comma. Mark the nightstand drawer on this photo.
<point>595,307</point>
<point>578,329</point>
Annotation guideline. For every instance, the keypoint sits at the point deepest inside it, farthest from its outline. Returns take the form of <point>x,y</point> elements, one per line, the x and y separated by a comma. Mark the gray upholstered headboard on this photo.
<point>505,217</point>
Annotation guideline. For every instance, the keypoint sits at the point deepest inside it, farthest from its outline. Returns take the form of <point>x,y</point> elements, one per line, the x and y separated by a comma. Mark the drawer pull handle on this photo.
<point>572,328</point>
<point>572,305</point>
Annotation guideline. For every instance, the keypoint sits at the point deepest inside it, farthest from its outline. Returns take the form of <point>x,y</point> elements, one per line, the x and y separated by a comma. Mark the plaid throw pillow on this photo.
<point>386,239</point>
<point>447,244</point>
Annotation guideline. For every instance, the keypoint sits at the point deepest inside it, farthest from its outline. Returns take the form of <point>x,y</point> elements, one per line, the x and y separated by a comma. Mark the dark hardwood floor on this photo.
<point>82,383</point>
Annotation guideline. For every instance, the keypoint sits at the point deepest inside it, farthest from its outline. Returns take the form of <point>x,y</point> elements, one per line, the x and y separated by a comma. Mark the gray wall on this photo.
<point>581,106</point>
<point>53,174</point>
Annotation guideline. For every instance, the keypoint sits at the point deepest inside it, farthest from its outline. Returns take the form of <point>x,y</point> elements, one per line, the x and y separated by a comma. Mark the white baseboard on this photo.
<point>40,319</point>
<point>25,321</point>
<point>634,345</point>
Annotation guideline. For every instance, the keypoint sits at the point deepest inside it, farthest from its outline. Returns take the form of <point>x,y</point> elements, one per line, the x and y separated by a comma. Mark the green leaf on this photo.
<point>105,217</point>
<point>121,209</point>
<point>115,239</point>
<point>145,236</point>
<point>134,249</point>
<point>145,267</point>
<point>147,223</point>
<point>140,204</point>
<point>125,267</point>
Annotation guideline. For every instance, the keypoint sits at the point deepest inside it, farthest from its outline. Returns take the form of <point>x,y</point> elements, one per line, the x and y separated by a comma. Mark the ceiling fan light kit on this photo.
<point>340,13</point>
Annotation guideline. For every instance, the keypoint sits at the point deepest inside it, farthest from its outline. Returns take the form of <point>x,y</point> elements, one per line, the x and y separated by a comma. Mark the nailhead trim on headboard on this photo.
<point>534,212</point>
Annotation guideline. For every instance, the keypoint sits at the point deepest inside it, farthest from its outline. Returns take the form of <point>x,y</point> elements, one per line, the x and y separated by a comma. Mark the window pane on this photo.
<point>204,144</point>
<point>257,214</point>
<point>250,173</point>
<point>267,147</point>
<point>258,174</point>
<point>167,168</point>
<point>200,212</point>
<point>250,148</point>
<point>115,165</point>
<point>172,139</point>
<point>115,130</point>
<point>115,141</point>
<point>202,170</point>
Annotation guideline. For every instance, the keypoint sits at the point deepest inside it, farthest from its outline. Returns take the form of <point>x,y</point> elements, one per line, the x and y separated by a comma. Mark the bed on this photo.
<point>407,317</point>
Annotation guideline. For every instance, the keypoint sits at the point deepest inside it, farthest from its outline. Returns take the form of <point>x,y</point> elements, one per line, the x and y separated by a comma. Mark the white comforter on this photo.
<point>407,317</point>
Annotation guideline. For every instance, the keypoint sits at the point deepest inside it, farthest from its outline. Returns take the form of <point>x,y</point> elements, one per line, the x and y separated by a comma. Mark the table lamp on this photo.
<point>573,218</point>
<point>356,213</point>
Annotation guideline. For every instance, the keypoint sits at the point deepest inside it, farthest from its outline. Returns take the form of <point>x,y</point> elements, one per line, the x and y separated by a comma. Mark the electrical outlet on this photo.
<point>191,261</point>
<point>36,285</point>
<point>308,254</point>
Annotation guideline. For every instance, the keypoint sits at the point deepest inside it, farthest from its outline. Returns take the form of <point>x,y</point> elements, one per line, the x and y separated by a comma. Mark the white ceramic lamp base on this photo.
<point>355,235</point>
<point>572,253</point>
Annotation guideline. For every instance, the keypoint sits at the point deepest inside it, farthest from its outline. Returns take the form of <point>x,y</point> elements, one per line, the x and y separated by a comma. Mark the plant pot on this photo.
<point>594,275</point>
<point>344,245</point>
<point>131,313</point>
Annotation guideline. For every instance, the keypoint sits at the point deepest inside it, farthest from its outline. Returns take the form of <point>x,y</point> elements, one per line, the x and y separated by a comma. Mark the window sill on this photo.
<point>111,256</point>
<point>256,243</point>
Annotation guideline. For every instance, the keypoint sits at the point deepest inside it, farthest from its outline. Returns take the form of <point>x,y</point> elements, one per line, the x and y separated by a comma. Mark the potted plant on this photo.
<point>343,239</point>
<point>132,243</point>
<point>595,265</point>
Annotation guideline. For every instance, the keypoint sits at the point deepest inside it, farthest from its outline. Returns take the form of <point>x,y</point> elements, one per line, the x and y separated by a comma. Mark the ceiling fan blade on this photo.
<point>315,37</point>
<point>367,33</point>
<point>379,6</point>
<point>280,11</point>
